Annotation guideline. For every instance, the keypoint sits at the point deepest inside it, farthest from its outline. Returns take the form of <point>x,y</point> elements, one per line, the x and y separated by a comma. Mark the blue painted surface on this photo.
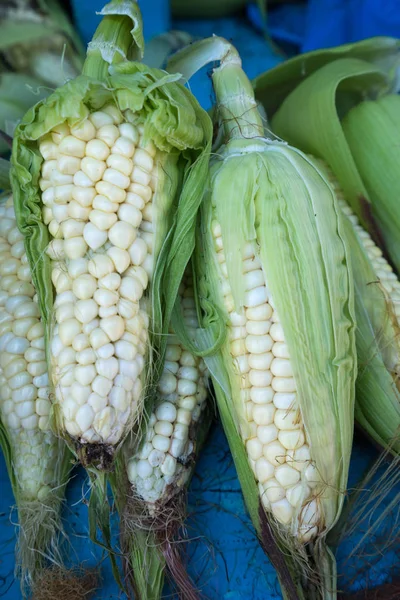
<point>224,556</point>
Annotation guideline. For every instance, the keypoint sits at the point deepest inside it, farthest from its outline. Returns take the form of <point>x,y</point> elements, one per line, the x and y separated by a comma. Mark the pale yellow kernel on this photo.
<point>108,134</point>
<point>72,146</point>
<point>97,149</point>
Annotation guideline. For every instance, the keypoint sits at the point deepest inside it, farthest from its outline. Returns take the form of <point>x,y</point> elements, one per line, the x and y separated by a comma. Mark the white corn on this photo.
<point>274,428</point>
<point>24,393</point>
<point>170,438</point>
<point>96,204</point>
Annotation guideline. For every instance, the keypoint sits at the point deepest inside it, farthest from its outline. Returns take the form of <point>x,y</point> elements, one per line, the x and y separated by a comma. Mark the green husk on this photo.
<point>38,39</point>
<point>377,406</point>
<point>372,131</point>
<point>272,87</point>
<point>265,191</point>
<point>4,175</point>
<point>313,96</point>
<point>17,94</point>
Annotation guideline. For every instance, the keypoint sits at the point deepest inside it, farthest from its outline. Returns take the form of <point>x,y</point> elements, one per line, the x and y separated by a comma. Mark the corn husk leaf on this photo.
<point>372,130</point>
<point>377,406</point>
<point>4,175</point>
<point>310,115</point>
<point>272,87</point>
<point>17,94</point>
<point>315,126</point>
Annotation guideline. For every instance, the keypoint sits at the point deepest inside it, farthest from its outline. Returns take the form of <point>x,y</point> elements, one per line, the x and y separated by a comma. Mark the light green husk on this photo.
<point>372,130</point>
<point>38,502</point>
<point>314,93</point>
<point>38,39</point>
<point>265,191</point>
<point>377,406</point>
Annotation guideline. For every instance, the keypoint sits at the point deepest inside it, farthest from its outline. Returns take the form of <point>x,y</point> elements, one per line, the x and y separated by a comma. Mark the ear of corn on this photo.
<point>155,475</point>
<point>108,176</point>
<point>377,304</point>
<point>38,463</point>
<point>273,258</point>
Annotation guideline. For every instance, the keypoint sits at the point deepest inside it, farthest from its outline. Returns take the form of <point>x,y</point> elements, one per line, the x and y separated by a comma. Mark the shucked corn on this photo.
<point>118,149</point>
<point>24,391</point>
<point>98,182</point>
<point>160,469</point>
<point>37,461</point>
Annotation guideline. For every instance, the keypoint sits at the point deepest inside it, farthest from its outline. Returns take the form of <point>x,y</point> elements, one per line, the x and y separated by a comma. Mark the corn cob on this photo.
<point>37,461</point>
<point>273,261</point>
<point>102,259</point>
<point>162,466</point>
<point>153,502</point>
<point>113,171</point>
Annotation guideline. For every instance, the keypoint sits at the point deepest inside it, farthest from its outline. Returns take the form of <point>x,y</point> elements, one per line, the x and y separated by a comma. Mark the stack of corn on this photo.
<point>104,174</point>
<point>38,463</point>
<point>273,261</point>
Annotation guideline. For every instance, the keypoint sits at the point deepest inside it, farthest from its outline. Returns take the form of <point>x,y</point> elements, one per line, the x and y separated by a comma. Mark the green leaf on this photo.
<point>18,92</point>
<point>118,37</point>
<point>309,119</point>
<point>272,87</point>
<point>372,130</point>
